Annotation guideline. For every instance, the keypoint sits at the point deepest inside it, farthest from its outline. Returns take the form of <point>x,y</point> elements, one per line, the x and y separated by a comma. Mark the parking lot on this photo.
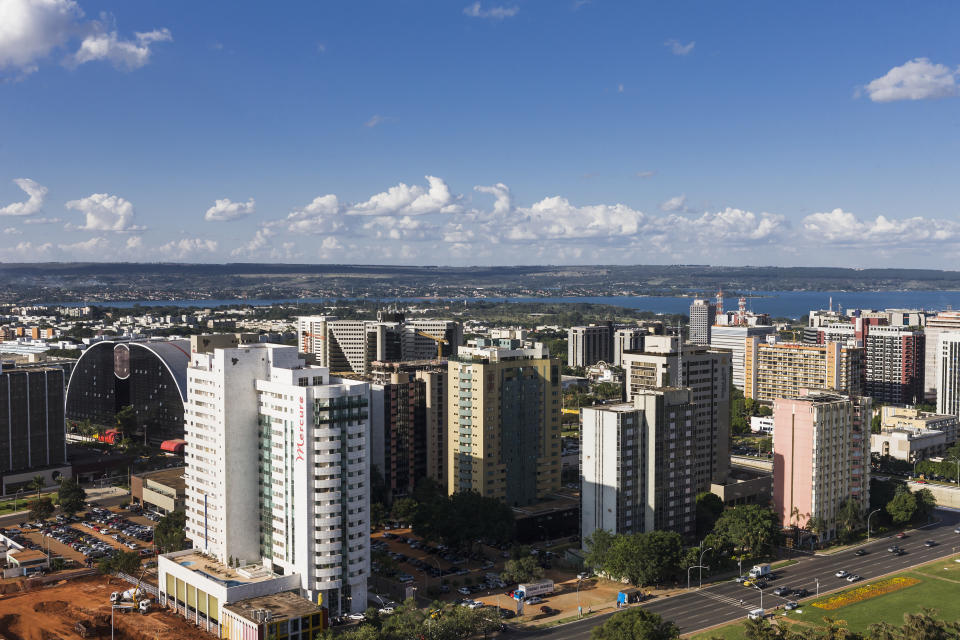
<point>87,537</point>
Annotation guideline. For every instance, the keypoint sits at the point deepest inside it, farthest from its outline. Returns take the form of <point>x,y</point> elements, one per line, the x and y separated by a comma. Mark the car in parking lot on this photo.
<point>534,600</point>
<point>464,590</point>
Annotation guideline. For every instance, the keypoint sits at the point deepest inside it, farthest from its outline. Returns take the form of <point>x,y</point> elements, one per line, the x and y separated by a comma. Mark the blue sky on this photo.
<point>498,132</point>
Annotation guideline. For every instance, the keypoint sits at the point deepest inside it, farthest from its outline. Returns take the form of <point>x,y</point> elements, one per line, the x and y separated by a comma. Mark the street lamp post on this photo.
<point>868,523</point>
<point>761,595</point>
<point>700,586</point>
<point>696,566</point>
<point>578,597</point>
<point>818,586</point>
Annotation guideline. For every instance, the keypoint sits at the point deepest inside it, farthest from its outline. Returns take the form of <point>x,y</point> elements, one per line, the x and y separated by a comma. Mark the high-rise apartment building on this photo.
<point>624,340</point>
<point>948,372</point>
<point>503,424</point>
<point>589,345</point>
<point>734,340</point>
<point>783,369</point>
<point>894,358</point>
<point>703,315</point>
<point>408,421</point>
<point>707,374</point>
<point>637,464</point>
<point>353,345</point>
<point>894,365</point>
<point>821,457</point>
<point>277,469</point>
<point>945,321</point>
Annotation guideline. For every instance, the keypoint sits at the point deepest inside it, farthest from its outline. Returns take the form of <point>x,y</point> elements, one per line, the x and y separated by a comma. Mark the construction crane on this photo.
<point>440,342</point>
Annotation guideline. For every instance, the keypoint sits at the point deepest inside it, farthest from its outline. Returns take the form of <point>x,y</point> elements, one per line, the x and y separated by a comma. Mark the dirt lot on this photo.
<point>51,613</point>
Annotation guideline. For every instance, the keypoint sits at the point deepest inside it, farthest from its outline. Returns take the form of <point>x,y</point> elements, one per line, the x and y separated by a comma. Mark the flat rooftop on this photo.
<point>167,477</point>
<point>27,555</point>
<point>281,605</point>
<point>200,564</point>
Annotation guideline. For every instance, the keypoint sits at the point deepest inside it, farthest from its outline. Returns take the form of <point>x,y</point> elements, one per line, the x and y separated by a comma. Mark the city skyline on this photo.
<point>473,133</point>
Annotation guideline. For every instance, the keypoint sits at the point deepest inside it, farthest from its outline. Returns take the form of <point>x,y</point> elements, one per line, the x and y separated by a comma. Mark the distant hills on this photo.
<point>57,281</point>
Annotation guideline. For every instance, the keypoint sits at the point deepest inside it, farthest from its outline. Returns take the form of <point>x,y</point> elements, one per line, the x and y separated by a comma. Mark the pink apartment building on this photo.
<point>820,456</point>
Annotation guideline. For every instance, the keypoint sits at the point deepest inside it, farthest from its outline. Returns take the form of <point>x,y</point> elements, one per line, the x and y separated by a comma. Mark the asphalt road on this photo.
<point>720,603</point>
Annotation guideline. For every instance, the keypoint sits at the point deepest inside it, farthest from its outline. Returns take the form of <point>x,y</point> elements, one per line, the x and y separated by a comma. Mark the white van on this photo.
<point>756,614</point>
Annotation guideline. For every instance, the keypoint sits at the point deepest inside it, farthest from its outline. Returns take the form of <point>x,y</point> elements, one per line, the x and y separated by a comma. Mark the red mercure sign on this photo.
<point>301,434</point>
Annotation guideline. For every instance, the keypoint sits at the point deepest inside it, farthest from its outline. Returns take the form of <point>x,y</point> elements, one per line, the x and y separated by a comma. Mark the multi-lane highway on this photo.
<point>720,603</point>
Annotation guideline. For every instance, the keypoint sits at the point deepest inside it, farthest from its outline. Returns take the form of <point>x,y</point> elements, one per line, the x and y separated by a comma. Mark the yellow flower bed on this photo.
<point>865,592</point>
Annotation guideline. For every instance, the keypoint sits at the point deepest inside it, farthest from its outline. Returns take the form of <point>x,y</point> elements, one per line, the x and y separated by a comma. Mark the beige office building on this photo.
<point>783,369</point>
<point>503,423</point>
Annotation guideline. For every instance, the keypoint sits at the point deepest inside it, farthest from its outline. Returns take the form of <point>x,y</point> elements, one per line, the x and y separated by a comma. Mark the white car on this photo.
<point>386,611</point>
<point>756,614</point>
<point>534,600</point>
<point>355,616</point>
<point>841,574</point>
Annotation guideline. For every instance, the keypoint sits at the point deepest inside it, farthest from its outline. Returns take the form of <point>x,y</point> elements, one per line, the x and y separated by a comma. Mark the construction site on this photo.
<point>81,608</point>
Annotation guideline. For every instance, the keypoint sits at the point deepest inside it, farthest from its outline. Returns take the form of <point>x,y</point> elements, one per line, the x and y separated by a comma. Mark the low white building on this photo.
<point>762,424</point>
<point>197,586</point>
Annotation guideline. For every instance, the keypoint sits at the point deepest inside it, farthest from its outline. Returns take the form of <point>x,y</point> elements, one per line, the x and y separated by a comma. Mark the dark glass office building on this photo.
<point>32,432</point>
<point>150,376</point>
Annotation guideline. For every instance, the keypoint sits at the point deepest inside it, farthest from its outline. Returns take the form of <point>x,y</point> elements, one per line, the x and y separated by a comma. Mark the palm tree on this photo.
<point>37,483</point>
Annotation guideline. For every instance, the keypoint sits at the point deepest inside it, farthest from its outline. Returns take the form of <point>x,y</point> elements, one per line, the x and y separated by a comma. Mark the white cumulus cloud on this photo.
<point>843,227</point>
<point>187,247</point>
<point>35,196</point>
<point>503,202</point>
<point>226,210</point>
<point>104,212</point>
<point>555,217</point>
<point>676,203</point>
<point>414,200</point>
<point>679,49</point>
<point>122,54</point>
<point>322,215</point>
<point>31,30</point>
<point>476,10</point>
<point>94,247</point>
<point>918,79</point>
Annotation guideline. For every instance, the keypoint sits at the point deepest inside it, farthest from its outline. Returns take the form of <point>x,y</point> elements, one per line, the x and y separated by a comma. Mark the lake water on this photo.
<point>790,304</point>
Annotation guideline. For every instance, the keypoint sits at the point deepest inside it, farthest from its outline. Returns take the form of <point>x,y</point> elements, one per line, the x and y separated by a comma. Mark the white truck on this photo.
<point>130,595</point>
<point>543,587</point>
<point>760,571</point>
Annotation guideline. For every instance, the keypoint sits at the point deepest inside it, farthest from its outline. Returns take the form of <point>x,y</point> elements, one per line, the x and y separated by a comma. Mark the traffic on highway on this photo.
<point>727,601</point>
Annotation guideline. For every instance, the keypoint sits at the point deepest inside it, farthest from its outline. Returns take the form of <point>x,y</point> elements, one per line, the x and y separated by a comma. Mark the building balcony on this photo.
<point>327,574</point>
<point>328,546</point>
<point>330,458</point>
<point>330,483</point>
<point>327,521</point>
<point>328,509</point>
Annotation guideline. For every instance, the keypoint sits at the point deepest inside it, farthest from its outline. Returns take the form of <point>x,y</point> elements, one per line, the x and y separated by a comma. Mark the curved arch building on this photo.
<point>150,376</point>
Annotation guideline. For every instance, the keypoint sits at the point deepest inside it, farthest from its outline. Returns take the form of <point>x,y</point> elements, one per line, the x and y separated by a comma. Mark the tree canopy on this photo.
<point>170,534</point>
<point>71,497</point>
<point>636,624</point>
<point>749,527</point>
